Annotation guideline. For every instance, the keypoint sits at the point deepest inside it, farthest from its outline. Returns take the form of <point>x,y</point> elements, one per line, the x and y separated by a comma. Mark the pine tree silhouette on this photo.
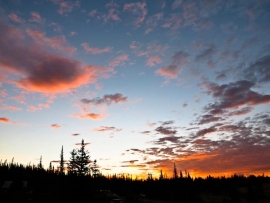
<point>82,160</point>
<point>61,168</point>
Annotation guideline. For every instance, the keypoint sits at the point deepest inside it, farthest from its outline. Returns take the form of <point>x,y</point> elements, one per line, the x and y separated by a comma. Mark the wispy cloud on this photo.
<point>119,60</point>
<point>15,18</point>
<point>139,10</point>
<point>55,126</point>
<point>106,99</point>
<point>95,50</point>
<point>93,116</point>
<point>35,17</point>
<point>106,129</point>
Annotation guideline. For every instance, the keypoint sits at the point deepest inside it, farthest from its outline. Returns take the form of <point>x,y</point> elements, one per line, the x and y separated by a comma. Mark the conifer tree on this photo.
<point>40,163</point>
<point>161,175</point>
<point>61,168</point>
<point>82,160</point>
<point>175,175</point>
<point>72,165</point>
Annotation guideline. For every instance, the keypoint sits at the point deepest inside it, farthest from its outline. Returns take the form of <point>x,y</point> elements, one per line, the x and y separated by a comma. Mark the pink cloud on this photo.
<point>153,61</point>
<point>95,50</point>
<point>169,72</point>
<point>55,126</point>
<point>40,70</point>
<point>7,107</point>
<point>67,6</point>
<point>35,17</point>
<point>15,18</point>
<point>119,60</point>
<point>139,10</point>
<point>54,42</point>
<point>93,116</point>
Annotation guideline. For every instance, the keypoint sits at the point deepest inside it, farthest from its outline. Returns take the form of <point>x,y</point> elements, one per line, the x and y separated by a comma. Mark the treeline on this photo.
<point>82,181</point>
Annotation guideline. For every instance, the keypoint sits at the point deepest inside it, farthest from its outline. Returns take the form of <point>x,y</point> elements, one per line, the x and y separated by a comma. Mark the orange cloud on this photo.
<point>5,120</point>
<point>93,116</point>
<point>40,70</point>
<point>95,50</point>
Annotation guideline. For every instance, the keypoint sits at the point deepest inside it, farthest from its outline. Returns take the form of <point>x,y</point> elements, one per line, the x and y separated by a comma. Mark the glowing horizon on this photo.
<point>145,85</point>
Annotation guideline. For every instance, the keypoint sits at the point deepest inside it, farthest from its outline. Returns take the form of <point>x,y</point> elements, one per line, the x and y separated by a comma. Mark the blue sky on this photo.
<point>145,83</point>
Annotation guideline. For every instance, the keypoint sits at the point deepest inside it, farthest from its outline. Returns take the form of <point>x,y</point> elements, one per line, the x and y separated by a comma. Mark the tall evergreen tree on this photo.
<point>161,175</point>
<point>40,166</point>
<point>83,160</point>
<point>61,168</point>
<point>175,174</point>
<point>72,165</point>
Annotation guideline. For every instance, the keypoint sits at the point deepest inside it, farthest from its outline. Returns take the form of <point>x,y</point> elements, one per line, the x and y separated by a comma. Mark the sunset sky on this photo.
<point>145,83</point>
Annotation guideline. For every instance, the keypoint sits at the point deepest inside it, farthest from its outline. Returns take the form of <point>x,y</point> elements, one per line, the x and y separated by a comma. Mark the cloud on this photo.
<point>206,131</point>
<point>139,10</point>
<point>153,61</point>
<point>67,6</point>
<point>206,54</point>
<point>35,17</point>
<point>95,50</point>
<point>93,116</point>
<point>258,71</point>
<point>167,122</point>
<point>234,95</point>
<point>75,134</point>
<point>145,132</point>
<point>55,126</point>
<point>119,60</point>
<point>208,118</point>
<point>40,70</point>
<point>5,120</point>
<point>169,72</point>
<point>15,18</point>
<point>179,61</point>
<point>176,4</point>
<point>58,42</point>
<point>107,99</point>
<point>106,128</point>
<point>166,130</point>
<point>130,161</point>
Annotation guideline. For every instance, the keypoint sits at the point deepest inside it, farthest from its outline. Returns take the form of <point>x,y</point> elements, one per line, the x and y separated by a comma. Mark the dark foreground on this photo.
<point>61,188</point>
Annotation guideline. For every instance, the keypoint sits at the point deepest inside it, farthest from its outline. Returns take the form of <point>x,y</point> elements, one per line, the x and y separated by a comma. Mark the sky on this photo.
<point>146,84</point>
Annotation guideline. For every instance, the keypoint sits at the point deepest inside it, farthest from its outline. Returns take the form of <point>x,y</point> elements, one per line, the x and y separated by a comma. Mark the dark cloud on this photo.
<point>106,99</point>
<point>208,119</point>
<point>164,140</point>
<point>206,131</point>
<point>130,161</point>
<point>166,130</point>
<point>40,70</point>
<point>75,134</point>
<point>145,132</point>
<point>107,128</point>
<point>206,54</point>
<point>259,71</point>
<point>234,95</point>
<point>167,122</point>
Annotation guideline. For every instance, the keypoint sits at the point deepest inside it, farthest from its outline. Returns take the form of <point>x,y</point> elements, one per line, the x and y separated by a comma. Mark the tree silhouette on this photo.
<point>175,175</point>
<point>82,160</point>
<point>61,168</point>
<point>72,165</point>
